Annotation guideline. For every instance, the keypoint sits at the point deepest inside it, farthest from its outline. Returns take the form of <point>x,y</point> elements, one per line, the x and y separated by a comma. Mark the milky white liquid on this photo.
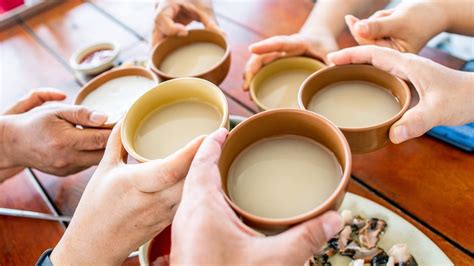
<point>115,96</point>
<point>281,89</point>
<point>283,176</point>
<point>171,127</point>
<point>192,59</point>
<point>355,104</point>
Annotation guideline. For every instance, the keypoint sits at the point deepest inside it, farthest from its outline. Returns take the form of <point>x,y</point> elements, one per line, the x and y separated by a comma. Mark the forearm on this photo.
<point>459,15</point>
<point>328,15</point>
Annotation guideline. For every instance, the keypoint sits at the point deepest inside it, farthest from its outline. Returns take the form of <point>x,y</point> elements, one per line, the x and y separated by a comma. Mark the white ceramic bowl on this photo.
<point>77,57</point>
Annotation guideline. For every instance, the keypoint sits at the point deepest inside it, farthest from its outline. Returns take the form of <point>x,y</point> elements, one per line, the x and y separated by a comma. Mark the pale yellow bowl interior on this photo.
<point>166,93</point>
<point>273,68</point>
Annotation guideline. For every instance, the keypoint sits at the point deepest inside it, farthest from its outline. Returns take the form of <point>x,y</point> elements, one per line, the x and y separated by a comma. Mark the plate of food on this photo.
<point>372,235</point>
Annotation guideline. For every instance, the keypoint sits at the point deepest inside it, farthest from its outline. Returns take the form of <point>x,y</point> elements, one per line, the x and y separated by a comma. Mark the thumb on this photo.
<point>414,123</point>
<point>80,115</point>
<point>303,240</point>
<point>114,151</point>
<point>166,172</point>
<point>377,28</point>
<point>36,98</point>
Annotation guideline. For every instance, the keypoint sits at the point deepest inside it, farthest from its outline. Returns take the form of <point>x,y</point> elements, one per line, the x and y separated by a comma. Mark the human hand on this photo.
<point>172,16</point>
<point>46,138</point>
<point>406,28</point>
<point>34,99</point>
<point>206,230</point>
<point>446,95</point>
<point>123,206</point>
<point>268,50</point>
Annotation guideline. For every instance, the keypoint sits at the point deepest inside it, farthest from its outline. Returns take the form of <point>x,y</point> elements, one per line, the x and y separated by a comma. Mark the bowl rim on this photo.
<point>129,146</point>
<point>81,52</point>
<point>253,87</point>
<point>324,206</point>
<point>103,76</point>
<point>167,76</point>
<point>390,121</point>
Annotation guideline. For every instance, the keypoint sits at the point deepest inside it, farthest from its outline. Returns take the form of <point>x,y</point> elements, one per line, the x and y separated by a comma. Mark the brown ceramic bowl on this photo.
<point>279,122</point>
<point>216,74</point>
<point>109,75</point>
<point>279,66</point>
<point>361,139</point>
<point>169,92</point>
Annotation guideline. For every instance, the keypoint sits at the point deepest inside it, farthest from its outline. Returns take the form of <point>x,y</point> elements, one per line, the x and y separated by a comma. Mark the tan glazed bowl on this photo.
<point>280,65</point>
<point>279,122</point>
<point>169,92</point>
<point>215,75</point>
<point>109,75</point>
<point>361,139</point>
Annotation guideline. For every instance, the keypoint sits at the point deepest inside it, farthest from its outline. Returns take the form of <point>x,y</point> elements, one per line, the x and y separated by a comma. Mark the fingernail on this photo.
<point>332,224</point>
<point>362,26</point>
<point>98,118</point>
<point>401,134</point>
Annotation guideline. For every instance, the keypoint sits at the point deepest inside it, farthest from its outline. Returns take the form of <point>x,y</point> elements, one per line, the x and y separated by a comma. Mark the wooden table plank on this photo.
<point>427,178</point>
<point>75,24</point>
<point>23,240</point>
<point>140,20</point>
<point>25,65</point>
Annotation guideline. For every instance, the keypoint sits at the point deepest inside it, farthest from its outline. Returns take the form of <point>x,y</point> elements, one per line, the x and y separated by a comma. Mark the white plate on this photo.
<point>398,230</point>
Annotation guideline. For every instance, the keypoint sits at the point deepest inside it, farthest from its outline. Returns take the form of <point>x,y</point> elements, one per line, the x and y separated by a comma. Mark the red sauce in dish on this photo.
<point>160,248</point>
<point>96,57</point>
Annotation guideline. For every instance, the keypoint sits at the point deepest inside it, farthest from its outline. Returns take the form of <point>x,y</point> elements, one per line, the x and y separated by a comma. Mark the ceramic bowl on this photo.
<point>280,122</point>
<point>78,56</point>
<point>277,67</point>
<point>166,93</point>
<point>361,139</point>
<point>216,74</point>
<point>110,75</point>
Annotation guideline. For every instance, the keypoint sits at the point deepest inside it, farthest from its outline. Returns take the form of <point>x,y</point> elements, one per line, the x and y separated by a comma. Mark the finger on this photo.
<point>89,139</point>
<point>414,123</point>
<point>382,13</point>
<point>90,158</point>
<point>169,28</point>
<point>378,27</point>
<point>36,98</point>
<point>156,36</point>
<point>166,24</point>
<point>394,62</point>
<point>115,153</point>
<point>277,44</point>
<point>304,240</point>
<point>157,175</point>
<point>351,21</point>
<point>255,63</point>
<point>80,115</point>
<point>205,162</point>
<point>206,19</point>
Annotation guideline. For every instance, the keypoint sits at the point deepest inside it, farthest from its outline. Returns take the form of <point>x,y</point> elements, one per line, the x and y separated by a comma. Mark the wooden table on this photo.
<point>427,182</point>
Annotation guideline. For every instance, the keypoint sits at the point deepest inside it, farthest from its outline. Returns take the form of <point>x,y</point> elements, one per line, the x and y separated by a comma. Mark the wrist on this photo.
<point>76,251</point>
<point>441,21</point>
<point>7,142</point>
